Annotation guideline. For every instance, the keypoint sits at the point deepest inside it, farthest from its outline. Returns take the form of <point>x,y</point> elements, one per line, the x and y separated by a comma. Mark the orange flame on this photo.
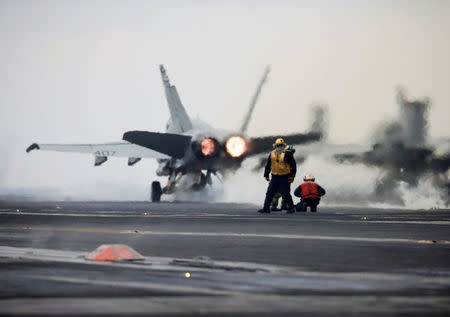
<point>236,146</point>
<point>208,147</point>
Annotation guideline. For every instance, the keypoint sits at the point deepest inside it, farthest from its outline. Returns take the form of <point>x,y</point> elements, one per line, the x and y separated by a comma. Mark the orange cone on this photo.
<point>114,252</point>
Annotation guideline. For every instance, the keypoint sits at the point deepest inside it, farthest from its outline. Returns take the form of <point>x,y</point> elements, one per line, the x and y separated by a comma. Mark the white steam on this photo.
<point>349,185</point>
<point>344,184</point>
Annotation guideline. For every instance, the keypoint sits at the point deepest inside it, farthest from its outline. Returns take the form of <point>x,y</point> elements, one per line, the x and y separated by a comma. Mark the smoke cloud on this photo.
<point>346,185</point>
<point>401,169</point>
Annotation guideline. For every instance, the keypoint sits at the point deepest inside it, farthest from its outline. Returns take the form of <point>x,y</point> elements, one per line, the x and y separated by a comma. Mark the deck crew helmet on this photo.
<point>279,142</point>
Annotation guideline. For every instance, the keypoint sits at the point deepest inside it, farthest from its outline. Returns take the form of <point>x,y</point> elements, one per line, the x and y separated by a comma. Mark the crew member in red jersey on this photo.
<point>309,193</point>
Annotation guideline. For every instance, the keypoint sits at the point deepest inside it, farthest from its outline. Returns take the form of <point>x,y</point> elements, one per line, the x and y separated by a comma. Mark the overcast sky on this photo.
<point>87,71</point>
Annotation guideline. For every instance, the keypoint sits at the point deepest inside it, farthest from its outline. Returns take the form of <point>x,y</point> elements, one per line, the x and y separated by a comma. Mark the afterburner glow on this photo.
<point>236,146</point>
<point>208,147</point>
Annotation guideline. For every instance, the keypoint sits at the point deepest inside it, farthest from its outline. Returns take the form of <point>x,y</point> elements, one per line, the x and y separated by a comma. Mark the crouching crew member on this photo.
<point>283,167</point>
<point>309,193</point>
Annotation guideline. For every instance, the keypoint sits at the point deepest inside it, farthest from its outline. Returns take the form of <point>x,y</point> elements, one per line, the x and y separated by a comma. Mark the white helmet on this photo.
<point>309,178</point>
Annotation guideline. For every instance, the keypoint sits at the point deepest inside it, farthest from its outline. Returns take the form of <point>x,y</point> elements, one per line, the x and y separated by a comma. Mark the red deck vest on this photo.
<point>310,190</point>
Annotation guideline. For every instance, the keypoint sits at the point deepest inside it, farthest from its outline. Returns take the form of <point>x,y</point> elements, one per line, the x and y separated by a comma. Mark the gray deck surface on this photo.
<point>338,262</point>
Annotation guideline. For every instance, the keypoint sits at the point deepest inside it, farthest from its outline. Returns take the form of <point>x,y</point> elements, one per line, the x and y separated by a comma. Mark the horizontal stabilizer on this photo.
<point>264,144</point>
<point>174,145</point>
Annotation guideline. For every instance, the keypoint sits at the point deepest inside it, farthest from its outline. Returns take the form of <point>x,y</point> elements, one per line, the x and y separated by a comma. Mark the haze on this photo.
<point>87,71</point>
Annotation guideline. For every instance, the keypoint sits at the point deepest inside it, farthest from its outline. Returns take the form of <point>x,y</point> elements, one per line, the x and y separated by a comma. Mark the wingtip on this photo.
<point>32,147</point>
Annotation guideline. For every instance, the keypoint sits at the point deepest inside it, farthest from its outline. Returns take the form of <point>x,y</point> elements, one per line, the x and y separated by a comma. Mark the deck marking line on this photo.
<point>128,284</point>
<point>231,234</point>
<point>281,236</point>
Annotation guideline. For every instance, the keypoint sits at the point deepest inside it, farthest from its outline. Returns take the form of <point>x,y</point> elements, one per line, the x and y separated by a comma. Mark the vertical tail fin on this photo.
<point>254,100</point>
<point>319,120</point>
<point>179,119</point>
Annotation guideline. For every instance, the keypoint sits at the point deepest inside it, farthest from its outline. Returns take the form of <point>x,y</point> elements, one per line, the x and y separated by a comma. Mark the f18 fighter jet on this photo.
<point>403,151</point>
<point>190,151</point>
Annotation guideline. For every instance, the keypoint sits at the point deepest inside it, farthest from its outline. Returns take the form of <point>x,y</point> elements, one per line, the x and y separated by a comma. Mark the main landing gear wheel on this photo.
<point>156,192</point>
<point>200,185</point>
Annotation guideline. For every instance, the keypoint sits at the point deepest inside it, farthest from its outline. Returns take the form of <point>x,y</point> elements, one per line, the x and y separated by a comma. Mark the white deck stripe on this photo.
<point>280,236</point>
<point>232,216</point>
<point>139,285</point>
<point>231,234</point>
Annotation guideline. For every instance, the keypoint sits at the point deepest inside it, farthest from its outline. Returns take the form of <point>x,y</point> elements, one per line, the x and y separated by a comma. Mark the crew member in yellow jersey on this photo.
<point>283,167</point>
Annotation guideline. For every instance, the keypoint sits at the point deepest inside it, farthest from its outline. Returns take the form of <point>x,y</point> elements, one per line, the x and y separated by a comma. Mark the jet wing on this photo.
<point>264,144</point>
<point>119,149</point>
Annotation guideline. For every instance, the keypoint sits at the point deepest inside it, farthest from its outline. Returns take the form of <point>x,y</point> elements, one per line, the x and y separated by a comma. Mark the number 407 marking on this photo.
<point>105,153</point>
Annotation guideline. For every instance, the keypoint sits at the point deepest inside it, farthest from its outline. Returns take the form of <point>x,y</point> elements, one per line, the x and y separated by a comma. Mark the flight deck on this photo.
<point>220,259</point>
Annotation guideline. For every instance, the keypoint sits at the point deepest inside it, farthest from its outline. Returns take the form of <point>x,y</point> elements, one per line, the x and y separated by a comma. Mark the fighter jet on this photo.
<point>405,154</point>
<point>190,151</point>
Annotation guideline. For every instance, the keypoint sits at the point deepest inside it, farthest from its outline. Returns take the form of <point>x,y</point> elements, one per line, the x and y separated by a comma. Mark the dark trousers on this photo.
<point>279,184</point>
<point>308,202</point>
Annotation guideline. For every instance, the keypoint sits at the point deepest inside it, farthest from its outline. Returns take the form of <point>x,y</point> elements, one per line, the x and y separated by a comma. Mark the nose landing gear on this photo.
<point>156,192</point>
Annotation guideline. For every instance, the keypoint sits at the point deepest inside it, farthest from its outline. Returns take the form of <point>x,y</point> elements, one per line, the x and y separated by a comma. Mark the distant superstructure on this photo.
<point>413,120</point>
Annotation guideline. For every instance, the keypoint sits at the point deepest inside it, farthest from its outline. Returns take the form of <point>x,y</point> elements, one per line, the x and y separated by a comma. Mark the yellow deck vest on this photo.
<point>278,165</point>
